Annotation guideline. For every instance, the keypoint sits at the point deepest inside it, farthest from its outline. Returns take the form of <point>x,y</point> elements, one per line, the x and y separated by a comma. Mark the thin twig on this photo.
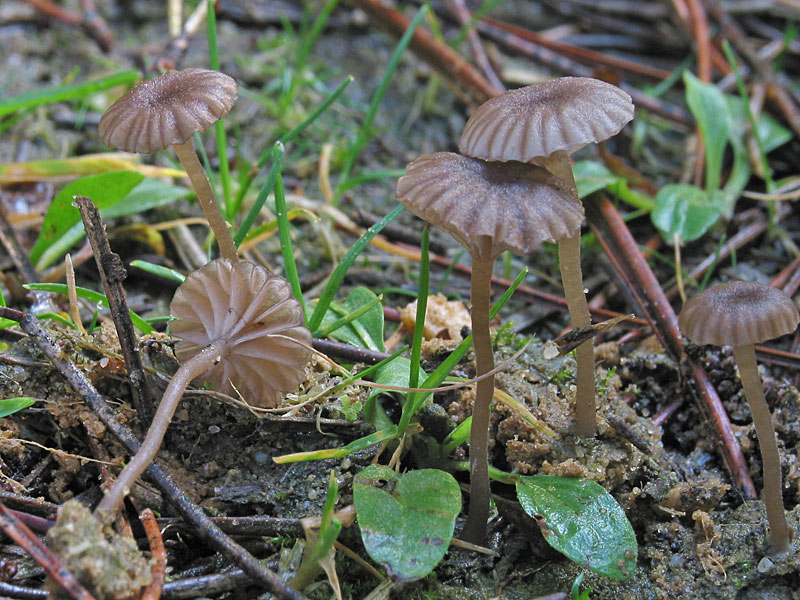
<point>159,556</point>
<point>621,248</point>
<point>459,7</point>
<point>205,528</point>
<point>112,274</point>
<point>27,540</point>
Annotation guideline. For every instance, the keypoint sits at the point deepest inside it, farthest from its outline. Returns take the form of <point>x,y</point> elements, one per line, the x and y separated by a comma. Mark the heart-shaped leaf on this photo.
<point>580,519</point>
<point>406,520</point>
<point>686,210</point>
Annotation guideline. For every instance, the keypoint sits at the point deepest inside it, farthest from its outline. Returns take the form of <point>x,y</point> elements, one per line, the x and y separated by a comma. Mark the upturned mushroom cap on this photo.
<point>167,110</point>
<point>538,120</point>
<point>738,313</point>
<point>254,311</point>
<point>517,205</point>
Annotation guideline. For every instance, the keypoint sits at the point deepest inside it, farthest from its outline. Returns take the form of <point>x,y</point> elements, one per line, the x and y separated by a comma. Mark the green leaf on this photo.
<point>686,210</point>
<point>582,521</point>
<point>396,373</point>
<point>709,107</point>
<point>406,520</point>
<point>105,189</point>
<point>365,331</point>
<point>8,406</point>
<point>592,176</point>
<point>75,91</point>
<point>150,193</point>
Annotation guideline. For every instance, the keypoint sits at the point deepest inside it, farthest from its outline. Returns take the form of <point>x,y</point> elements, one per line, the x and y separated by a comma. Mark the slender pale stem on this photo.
<point>475,527</point>
<point>205,196</point>
<point>569,255</point>
<point>770,459</point>
<point>192,368</point>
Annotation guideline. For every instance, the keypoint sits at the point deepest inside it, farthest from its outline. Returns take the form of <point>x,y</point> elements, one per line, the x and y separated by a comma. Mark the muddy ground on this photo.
<point>698,537</point>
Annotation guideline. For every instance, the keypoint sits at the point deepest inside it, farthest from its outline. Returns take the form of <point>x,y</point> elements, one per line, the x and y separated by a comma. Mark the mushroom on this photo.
<point>489,208</point>
<point>741,314</point>
<point>241,330</point>
<point>547,122</point>
<point>166,111</point>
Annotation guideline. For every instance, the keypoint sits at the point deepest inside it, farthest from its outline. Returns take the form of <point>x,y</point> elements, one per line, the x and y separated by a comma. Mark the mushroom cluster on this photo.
<point>741,314</point>
<point>239,326</point>
<point>492,200</point>
<point>546,123</point>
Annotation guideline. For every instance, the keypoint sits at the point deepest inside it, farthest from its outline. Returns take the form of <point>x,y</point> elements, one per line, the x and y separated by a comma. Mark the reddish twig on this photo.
<point>621,248</point>
<point>27,540</point>
<point>440,56</point>
<point>158,553</point>
<point>91,21</point>
<point>204,527</point>
<point>570,67</point>
<point>776,89</point>
<point>577,53</point>
<point>459,8</point>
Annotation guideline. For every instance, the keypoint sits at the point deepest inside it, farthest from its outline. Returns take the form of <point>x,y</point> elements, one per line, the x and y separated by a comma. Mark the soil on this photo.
<point>698,537</point>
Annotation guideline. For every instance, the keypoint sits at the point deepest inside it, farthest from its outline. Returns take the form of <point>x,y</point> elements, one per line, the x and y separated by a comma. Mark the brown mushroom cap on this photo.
<point>254,311</point>
<point>516,204</point>
<point>167,110</point>
<point>738,313</point>
<point>538,120</point>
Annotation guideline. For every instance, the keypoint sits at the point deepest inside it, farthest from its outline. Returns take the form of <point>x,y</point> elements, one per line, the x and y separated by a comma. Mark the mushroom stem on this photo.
<point>569,256</point>
<point>771,463</point>
<point>480,290</point>
<point>205,196</point>
<point>192,368</point>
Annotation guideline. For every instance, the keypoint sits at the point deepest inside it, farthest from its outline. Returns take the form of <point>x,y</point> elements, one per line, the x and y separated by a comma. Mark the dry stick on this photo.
<point>480,292</point>
<point>459,7</point>
<point>206,529</point>
<point>205,196</point>
<point>112,274</point>
<point>578,53</point>
<point>743,237</point>
<point>440,56</point>
<point>776,89</point>
<point>621,248</point>
<point>570,67</point>
<point>770,459</point>
<point>28,541</point>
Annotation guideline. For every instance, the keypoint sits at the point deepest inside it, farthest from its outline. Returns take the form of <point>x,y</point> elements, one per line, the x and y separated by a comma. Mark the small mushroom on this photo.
<point>166,111</point>
<point>547,122</point>
<point>741,314</point>
<point>489,208</point>
<point>241,330</point>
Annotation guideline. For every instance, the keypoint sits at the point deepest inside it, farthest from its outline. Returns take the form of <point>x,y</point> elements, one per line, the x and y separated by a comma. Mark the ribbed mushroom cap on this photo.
<point>738,313</point>
<point>167,110</point>
<point>253,309</point>
<point>516,204</point>
<point>536,121</point>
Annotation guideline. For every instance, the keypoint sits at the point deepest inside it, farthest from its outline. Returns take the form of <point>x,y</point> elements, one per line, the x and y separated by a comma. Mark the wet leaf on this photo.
<point>365,331</point>
<point>8,406</point>
<point>592,176</point>
<point>686,210</point>
<point>581,520</point>
<point>709,107</point>
<point>406,520</point>
<point>104,190</point>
